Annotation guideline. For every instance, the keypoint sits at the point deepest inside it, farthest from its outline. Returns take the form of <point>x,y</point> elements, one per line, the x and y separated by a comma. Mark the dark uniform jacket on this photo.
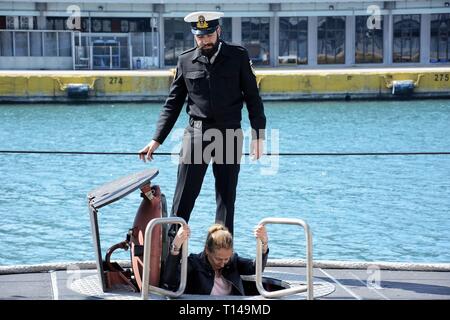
<point>200,275</point>
<point>215,92</point>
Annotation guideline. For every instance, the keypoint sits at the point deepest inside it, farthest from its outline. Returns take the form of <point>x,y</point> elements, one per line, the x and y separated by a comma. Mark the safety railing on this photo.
<point>309,262</point>
<point>147,251</point>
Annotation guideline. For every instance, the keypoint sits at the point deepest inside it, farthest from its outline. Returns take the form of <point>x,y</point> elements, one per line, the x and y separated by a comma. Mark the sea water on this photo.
<point>369,208</point>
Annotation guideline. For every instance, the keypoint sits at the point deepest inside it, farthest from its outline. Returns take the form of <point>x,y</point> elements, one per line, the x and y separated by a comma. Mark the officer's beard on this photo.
<point>210,51</point>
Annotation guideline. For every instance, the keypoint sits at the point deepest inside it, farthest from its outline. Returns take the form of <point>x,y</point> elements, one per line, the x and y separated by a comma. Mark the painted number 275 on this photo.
<point>441,77</point>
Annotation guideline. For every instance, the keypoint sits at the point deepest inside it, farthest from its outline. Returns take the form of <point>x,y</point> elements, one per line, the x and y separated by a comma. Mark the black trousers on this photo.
<point>202,144</point>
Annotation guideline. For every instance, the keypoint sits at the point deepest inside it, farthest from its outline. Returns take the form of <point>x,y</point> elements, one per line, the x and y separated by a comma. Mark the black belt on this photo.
<point>209,123</point>
<point>202,121</point>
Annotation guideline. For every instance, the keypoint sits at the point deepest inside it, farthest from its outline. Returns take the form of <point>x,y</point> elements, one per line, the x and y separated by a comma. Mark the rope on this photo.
<point>297,154</point>
<point>384,265</point>
<point>325,264</point>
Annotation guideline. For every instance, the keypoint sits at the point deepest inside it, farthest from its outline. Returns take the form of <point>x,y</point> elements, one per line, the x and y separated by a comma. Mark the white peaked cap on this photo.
<point>209,15</point>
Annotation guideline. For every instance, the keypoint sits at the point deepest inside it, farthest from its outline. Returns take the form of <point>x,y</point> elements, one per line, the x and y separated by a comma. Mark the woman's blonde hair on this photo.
<point>218,238</point>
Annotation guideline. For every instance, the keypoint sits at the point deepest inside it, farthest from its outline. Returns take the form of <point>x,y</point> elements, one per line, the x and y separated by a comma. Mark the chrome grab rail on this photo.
<point>147,250</point>
<point>309,262</point>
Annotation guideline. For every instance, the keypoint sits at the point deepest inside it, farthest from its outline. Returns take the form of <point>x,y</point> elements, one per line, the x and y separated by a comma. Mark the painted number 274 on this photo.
<point>115,80</point>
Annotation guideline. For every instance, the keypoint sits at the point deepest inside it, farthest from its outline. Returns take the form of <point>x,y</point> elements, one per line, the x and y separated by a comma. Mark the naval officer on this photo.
<point>217,78</point>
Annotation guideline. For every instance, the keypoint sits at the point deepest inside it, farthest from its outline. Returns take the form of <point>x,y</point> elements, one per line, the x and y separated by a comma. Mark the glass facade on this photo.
<point>144,48</point>
<point>60,23</point>
<point>256,39</point>
<point>35,43</point>
<point>440,38</point>
<point>115,25</point>
<point>177,38</point>
<point>140,41</point>
<point>226,29</point>
<point>124,25</point>
<point>331,40</point>
<point>293,46</point>
<point>369,39</point>
<point>406,38</point>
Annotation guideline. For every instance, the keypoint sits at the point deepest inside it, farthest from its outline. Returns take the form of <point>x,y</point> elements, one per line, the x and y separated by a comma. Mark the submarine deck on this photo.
<point>350,284</point>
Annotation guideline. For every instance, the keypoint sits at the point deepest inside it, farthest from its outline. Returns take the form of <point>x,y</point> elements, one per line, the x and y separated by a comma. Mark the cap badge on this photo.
<point>202,24</point>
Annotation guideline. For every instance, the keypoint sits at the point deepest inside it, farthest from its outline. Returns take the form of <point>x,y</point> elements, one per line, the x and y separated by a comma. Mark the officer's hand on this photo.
<point>146,153</point>
<point>257,149</point>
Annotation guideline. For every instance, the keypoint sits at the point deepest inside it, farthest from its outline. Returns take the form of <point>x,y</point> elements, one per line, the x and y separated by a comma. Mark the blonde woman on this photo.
<point>217,269</point>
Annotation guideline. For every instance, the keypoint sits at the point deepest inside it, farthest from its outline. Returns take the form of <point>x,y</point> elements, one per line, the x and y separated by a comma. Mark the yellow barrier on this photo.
<point>356,82</point>
<point>284,84</point>
<point>110,84</point>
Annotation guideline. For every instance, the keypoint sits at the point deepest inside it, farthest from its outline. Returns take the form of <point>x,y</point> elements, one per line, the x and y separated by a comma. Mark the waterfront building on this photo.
<point>148,34</point>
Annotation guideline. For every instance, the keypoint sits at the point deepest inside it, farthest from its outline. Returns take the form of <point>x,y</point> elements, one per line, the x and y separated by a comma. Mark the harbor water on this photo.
<point>369,208</point>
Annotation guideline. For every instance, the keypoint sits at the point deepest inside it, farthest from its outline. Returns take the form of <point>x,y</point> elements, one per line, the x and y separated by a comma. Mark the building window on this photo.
<point>36,44</point>
<point>293,40</point>
<point>6,43</point>
<point>21,41</point>
<point>369,40</point>
<point>406,38</point>
<point>50,49</point>
<point>255,37</point>
<point>177,38</point>
<point>151,43</point>
<point>151,49</point>
<point>440,38</point>
<point>2,22</point>
<point>137,44</point>
<point>144,47</point>
<point>65,44</point>
<point>331,40</point>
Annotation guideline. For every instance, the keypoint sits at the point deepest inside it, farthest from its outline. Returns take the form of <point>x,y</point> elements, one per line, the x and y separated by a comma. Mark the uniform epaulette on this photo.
<point>188,50</point>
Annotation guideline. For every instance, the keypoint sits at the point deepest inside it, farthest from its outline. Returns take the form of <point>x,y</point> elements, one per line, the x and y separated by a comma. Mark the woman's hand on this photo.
<point>182,235</point>
<point>261,234</point>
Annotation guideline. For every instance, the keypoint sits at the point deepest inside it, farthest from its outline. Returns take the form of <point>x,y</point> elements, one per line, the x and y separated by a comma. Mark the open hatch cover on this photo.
<point>119,188</point>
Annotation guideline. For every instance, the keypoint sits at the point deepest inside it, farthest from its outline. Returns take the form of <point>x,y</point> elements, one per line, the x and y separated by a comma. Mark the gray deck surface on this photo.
<point>351,284</point>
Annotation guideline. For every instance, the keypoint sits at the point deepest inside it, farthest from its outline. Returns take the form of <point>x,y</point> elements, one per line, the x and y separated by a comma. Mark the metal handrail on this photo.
<point>309,262</point>
<point>147,250</point>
